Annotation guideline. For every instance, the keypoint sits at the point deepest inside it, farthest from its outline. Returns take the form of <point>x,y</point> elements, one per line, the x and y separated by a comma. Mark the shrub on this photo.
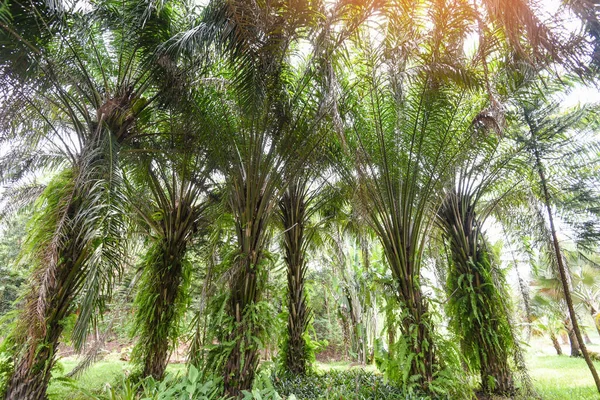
<point>351,384</point>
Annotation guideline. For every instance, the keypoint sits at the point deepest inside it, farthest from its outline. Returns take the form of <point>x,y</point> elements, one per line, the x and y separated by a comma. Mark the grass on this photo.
<point>103,374</point>
<point>341,366</point>
<point>555,377</point>
<point>561,377</point>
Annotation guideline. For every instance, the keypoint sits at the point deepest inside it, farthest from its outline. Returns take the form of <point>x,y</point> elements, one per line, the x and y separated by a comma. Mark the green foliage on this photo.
<point>351,384</point>
<point>450,380</point>
<point>193,385</point>
<point>6,370</point>
<point>262,387</point>
<point>93,382</point>
<point>12,277</point>
<point>326,327</point>
<point>161,302</point>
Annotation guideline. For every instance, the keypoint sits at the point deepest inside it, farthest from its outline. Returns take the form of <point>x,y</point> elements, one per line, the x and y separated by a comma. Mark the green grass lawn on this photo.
<point>100,376</point>
<point>554,377</point>
<point>561,377</point>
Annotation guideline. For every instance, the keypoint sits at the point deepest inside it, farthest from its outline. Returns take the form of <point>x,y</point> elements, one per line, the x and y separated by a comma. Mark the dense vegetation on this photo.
<point>250,185</point>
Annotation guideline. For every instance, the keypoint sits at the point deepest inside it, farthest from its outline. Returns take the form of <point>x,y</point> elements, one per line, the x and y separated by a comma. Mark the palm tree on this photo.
<point>277,108</point>
<point>543,132</point>
<point>476,302</point>
<point>171,201</point>
<point>256,180</point>
<point>72,109</point>
<point>296,209</point>
<point>405,128</point>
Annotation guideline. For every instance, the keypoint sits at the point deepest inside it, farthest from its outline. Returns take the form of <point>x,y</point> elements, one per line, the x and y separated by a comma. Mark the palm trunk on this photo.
<point>356,320</point>
<point>573,342</point>
<point>33,370</point>
<point>155,363</point>
<point>368,319</point>
<point>556,344</point>
<point>415,324</point>
<point>164,288</point>
<point>487,340</point>
<point>294,217</point>
<point>493,359</point>
<point>347,339</point>
<point>48,302</point>
<point>416,328</point>
<point>562,269</point>
<point>500,371</point>
<point>251,208</point>
<point>243,359</point>
<point>33,366</point>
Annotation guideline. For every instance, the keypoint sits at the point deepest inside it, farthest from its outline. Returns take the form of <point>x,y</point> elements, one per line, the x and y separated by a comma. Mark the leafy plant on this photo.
<point>193,385</point>
<point>350,384</point>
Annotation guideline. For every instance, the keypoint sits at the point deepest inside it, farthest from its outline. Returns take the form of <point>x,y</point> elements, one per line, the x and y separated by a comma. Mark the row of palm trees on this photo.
<point>148,116</point>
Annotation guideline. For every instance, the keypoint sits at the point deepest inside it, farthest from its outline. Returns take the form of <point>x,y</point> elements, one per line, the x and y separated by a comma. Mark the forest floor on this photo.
<point>554,377</point>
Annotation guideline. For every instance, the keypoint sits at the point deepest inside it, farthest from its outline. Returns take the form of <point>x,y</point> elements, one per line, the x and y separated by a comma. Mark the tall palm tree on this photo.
<point>170,197</point>
<point>296,209</point>
<point>72,109</point>
<point>256,179</point>
<point>277,107</point>
<point>476,303</point>
<point>405,128</point>
<point>545,131</point>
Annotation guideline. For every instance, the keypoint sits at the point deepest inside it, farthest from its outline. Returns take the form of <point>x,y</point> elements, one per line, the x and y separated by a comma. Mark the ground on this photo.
<point>555,377</point>
<point>561,377</point>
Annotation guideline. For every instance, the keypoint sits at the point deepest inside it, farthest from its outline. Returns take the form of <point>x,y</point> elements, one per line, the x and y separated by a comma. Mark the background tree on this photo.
<point>543,131</point>
<point>13,274</point>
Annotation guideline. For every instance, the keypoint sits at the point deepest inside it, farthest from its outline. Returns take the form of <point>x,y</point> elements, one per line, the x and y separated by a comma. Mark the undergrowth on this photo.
<point>351,384</point>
